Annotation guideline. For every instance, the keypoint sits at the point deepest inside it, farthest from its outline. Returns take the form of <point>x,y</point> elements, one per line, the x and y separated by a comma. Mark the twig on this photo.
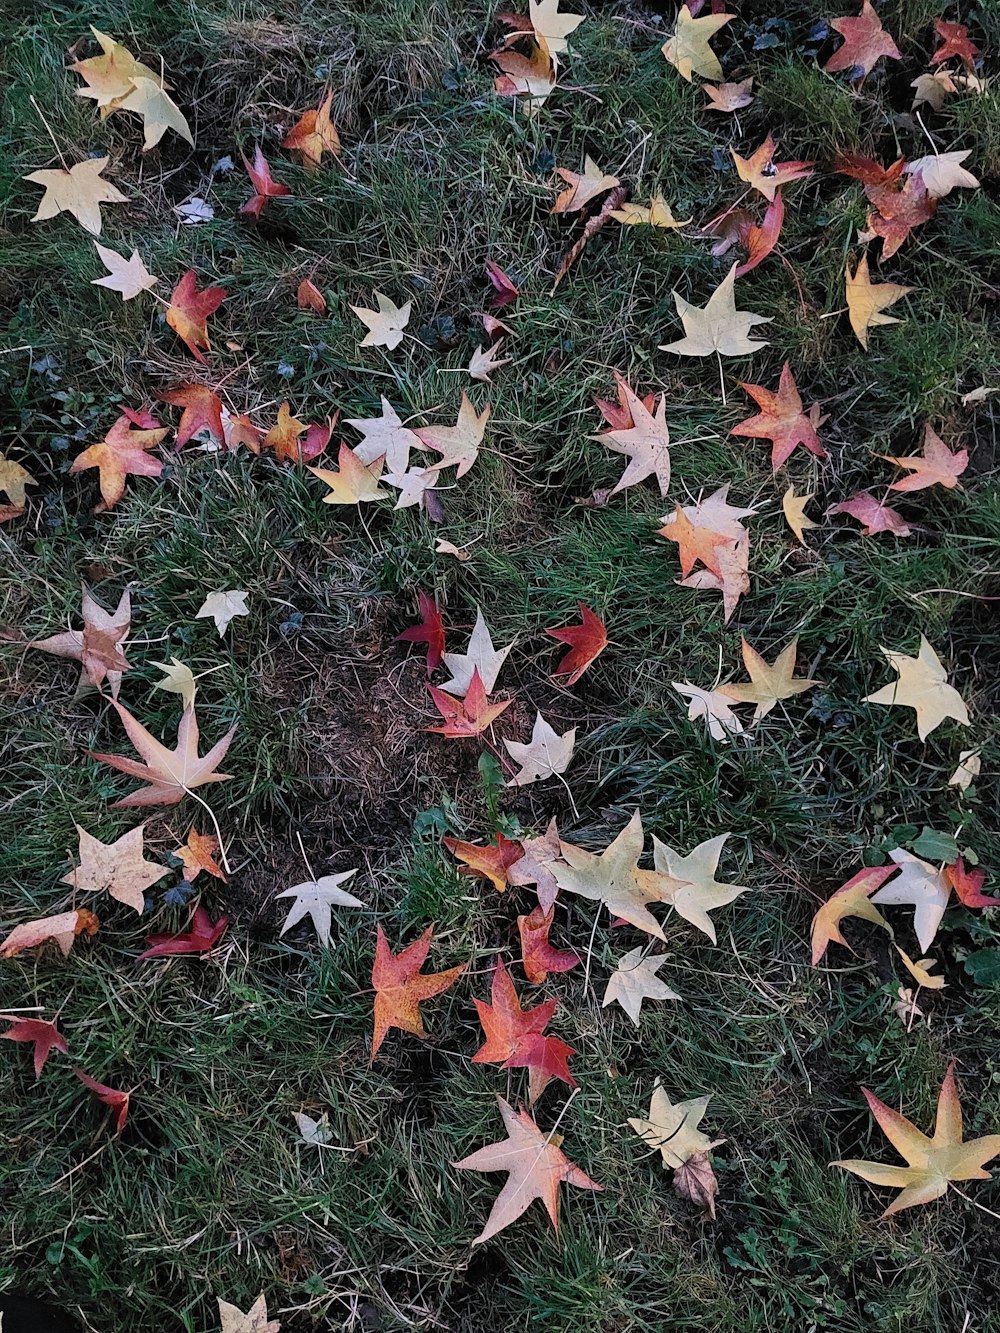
<point>48,127</point>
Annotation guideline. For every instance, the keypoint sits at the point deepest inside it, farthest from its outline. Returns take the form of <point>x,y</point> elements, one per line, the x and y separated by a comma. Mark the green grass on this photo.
<point>208,1193</point>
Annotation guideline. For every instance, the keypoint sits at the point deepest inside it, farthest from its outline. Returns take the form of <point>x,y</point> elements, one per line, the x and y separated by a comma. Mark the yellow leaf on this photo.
<point>688,50</point>
<point>793,506</point>
<point>718,327</point>
<point>79,191</point>
<point>866,300</point>
<point>922,686</point>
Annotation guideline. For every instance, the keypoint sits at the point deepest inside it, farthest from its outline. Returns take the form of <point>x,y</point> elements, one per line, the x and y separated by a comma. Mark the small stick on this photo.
<point>48,127</point>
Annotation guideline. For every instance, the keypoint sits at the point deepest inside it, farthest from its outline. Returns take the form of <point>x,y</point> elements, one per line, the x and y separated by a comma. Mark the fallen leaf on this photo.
<point>158,110</point>
<point>688,883</point>
<point>782,420</point>
<point>13,479</point>
<point>899,210</point>
<point>955,42</point>
<point>313,134</point>
<point>921,886</point>
<point>198,854</point>
<point>515,1037</point>
<point>483,364</point>
<point>644,440</point>
<point>505,291</point>
<point>531,76</point>
<point>544,756</point>
<point>635,980</point>
<point>874,515</point>
<point>932,1163</point>
<point>188,312</point>
<point>118,868</point>
<point>932,89</point>
<point>658,214</point>
<point>468,717</point>
<point>314,1133</point>
<point>694,542</point>
<point>793,507</point>
<point>354,483</point>
<point>766,176</point>
<point>612,877</point>
<point>673,1129</point>
<point>852,899</point>
<point>760,241</point>
<point>920,971</point>
<point>449,548</point>
<point>586,643</point>
<point>970,765</point>
<point>284,436</point>
<point>202,412</point>
<point>718,326</point>
<point>480,656</point>
<point>195,211</point>
<point>550,26</point>
<point>534,866</point>
<point>400,986</point>
<point>905,1006</point>
<point>178,678</point>
<point>713,707</point>
<point>535,1165</point>
<point>222,607</point>
<point>538,956</point>
<point>728,96</point>
<point>768,684</point>
<point>202,936</point>
<point>254,1321</point>
<point>385,437</point>
<point>866,300</point>
<point>935,466</point>
<point>968,885</point>
<point>732,578</point>
<point>309,297</point>
<point>122,453</point>
<point>42,1033</point>
<point>113,1098</point>
<point>316,899</point>
<point>865,43</point>
<point>430,631</point>
<point>63,928</point>
<point>583,186</point>
<point>695,1180</point>
<point>490,862</point>
<point>865,169</point>
<point>943,172</point>
<point>79,191</point>
<point>97,647</point>
<point>111,75</point>
<point>922,686</point>
<point>385,325</point>
<point>264,184</point>
<point>128,277</point>
<point>688,49</point>
<point>171,774</point>
<point>459,444</point>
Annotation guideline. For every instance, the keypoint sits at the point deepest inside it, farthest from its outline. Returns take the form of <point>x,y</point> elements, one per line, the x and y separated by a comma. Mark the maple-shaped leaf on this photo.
<point>535,866</point>
<point>430,630</point>
<point>612,877</point>
<point>127,277</point>
<point>255,1320</point>
<point>852,899</point>
<point>899,210</point>
<point>188,312</point>
<point>487,862</point>
<point>586,642</point>
<point>42,1033</point>
<point>768,684</point>
<point>695,543</point>
<point>728,97</point>
<point>688,49</point>
<point>955,41</point>
<point>673,1130</point>
<point>309,297</point>
<point>198,854</point>
<point>202,412</point>
<point>385,325</point>
<point>316,899</point>
<point>264,184</point>
<point>79,191</point>
<point>171,774</point>
<point>943,172</point>
<point>874,515</point>
<point>466,717</point>
<point>922,686</point>
<point>760,241</point>
<point>932,89</point>
<point>763,174</point>
<point>550,26</point>
<point>459,444</point>
<point>149,99</point>
<point>936,465</point>
<point>110,76</point>
<point>312,135</point>
<point>639,433</point>
<point>113,1098</point>
<point>480,656</point>
<point>284,435</point>
<point>931,1163</point>
<point>718,327</point>
<point>794,509</point>
<point>920,970</point>
<point>515,1037</point>
<point>400,986</point>
<point>413,487</point>
<point>711,705</point>
<point>117,868</point>
<point>923,887</point>
<point>385,437</point>
<point>62,928</point>
<point>865,43</point>
<point>483,363</point>
<point>239,429</point>
<point>861,167</point>
<point>635,980</point>
<point>658,214</point>
<point>538,956</point>
<point>13,479</point>
<point>866,300</point>
<point>968,885</point>
<point>732,578</point>
<point>582,186</point>
<point>532,76</point>
<point>202,935</point>
<point>354,483</point>
<point>782,420</point>
<point>688,883</point>
<point>222,607</point>
<point>535,1165</point>
<point>544,756</point>
<point>97,647</point>
<point>122,453</point>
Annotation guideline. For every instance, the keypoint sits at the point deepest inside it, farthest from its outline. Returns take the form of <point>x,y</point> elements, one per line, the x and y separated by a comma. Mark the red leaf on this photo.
<point>587,641</point>
<point>202,411</point>
<point>263,182</point>
<point>490,862</point>
<point>506,292</point>
<point>968,885</point>
<point>189,309</point>
<point>538,956</point>
<point>400,986</point>
<point>873,515</point>
<point>202,937</point>
<point>468,717</point>
<point>867,170</point>
<point>43,1033</point>
<point>955,42</point>
<point>515,1037</point>
<point>113,1098</point>
<point>760,241</point>
<point>429,631</point>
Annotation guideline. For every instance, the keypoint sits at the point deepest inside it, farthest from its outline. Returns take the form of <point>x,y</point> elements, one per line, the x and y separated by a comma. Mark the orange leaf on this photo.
<point>202,411</point>
<point>468,717</point>
<point>123,452</point>
<point>400,987</point>
<point>782,420</point>
<point>538,956</point>
<point>586,642</point>
<point>490,862</point>
<point>189,309</point>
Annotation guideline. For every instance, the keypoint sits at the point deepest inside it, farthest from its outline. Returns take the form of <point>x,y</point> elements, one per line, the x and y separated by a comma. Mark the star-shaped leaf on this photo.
<point>865,43</point>
<point>188,312</point>
<point>688,49</point>
<point>79,191</point>
<point>931,1163</point>
<point>635,980</point>
<point>955,41</point>
<point>794,509</point>
<point>312,135</point>
<point>612,877</point>
<point>899,208</point>
<point>385,325</point>
<point>118,868</point>
<point>264,184</point>
<point>480,656</point>
<point>921,886</point>
<point>491,861</point>
<point>149,99</point>
<point>62,928</point>
<point>538,956</point>
<point>202,412</point>
<point>484,363</point>
<point>97,647</point>
<point>13,479</point>
<point>586,642</point>
<point>657,214</point>
<point>198,854</point>
<point>468,717</point>
<point>768,684</point>
<point>866,300</point>
<point>42,1033</point>
<point>875,516</point>
<point>782,420</point>
<point>763,174</point>
<point>545,755</point>
<point>922,686</point>
<point>689,885</point>
<point>582,186</point>
<point>718,327</point>
<point>943,172</point>
<point>935,466</point>
<point>201,937</point>
<point>535,1166</point>
<point>550,26</point>
<point>673,1128</point>
<point>728,97</point>
<point>284,436</point>
<point>535,866</point>
<point>645,441</point>
<point>711,705</point>
<point>968,885</point>
<point>515,1037</point>
<point>127,277</point>
<point>178,678</point>
<point>852,899</point>
<point>122,453</point>
<point>458,445</point>
<point>355,483</point>
<point>222,607</point>
<point>254,1321</point>
<point>400,986</point>
<point>316,899</point>
<point>430,631</point>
